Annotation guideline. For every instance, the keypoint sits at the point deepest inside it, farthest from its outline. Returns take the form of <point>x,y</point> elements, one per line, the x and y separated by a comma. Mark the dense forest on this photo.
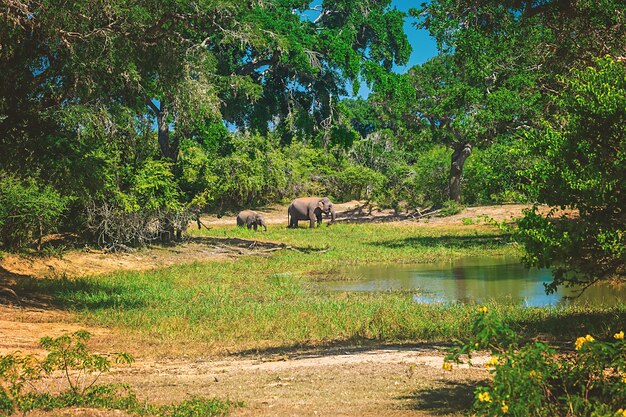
<point>121,120</point>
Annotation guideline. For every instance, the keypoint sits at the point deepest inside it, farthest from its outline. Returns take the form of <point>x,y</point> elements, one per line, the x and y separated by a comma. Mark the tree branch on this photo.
<point>251,66</point>
<point>152,106</point>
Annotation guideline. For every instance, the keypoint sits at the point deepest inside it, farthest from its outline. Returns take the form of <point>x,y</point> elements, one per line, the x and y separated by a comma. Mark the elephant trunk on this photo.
<point>264,226</point>
<point>332,215</point>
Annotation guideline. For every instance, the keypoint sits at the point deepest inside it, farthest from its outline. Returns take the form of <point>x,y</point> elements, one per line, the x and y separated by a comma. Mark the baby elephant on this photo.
<point>252,219</point>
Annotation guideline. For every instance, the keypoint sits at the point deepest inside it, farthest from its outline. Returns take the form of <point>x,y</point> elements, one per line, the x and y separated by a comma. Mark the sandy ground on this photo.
<point>385,381</point>
<point>378,381</point>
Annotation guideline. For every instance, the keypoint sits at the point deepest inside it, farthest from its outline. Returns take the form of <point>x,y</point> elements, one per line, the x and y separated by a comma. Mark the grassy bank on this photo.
<point>258,302</point>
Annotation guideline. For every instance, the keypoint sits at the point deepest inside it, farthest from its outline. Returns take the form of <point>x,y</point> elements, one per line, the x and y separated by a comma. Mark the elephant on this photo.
<point>251,219</point>
<point>309,208</point>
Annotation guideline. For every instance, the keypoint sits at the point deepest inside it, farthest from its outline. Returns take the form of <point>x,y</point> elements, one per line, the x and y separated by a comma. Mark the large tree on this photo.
<point>253,63</point>
<point>548,50</point>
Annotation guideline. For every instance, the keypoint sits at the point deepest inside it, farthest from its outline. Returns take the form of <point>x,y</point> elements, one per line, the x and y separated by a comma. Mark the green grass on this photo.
<point>256,302</point>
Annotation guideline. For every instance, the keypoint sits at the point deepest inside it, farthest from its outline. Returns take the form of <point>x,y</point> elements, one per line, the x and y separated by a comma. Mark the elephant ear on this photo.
<point>321,205</point>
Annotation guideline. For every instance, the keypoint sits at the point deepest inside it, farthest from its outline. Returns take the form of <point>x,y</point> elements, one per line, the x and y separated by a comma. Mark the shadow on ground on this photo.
<point>565,327</point>
<point>364,214</point>
<point>62,292</point>
<point>447,241</point>
<point>445,397</point>
<point>250,244</point>
<point>350,346</point>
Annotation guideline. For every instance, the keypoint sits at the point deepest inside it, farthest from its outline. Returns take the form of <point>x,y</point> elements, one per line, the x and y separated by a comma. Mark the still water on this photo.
<point>471,280</point>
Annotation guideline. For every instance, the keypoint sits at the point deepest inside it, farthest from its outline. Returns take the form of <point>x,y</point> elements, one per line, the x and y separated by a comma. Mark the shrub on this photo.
<point>432,176</point>
<point>28,210</point>
<point>147,208</point>
<point>114,228</point>
<point>357,182</point>
<point>537,380</point>
<point>450,208</point>
<point>494,175</point>
<point>69,356</point>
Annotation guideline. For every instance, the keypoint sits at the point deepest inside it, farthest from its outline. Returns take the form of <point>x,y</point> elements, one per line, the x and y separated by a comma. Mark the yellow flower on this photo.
<point>532,374</point>
<point>621,413</point>
<point>447,366</point>
<point>476,344</point>
<point>484,397</point>
<point>483,310</point>
<point>624,379</point>
<point>504,408</point>
<point>619,335</point>
<point>582,340</point>
<point>491,362</point>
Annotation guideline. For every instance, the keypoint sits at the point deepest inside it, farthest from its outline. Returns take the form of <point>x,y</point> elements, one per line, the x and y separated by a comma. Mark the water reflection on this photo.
<point>468,280</point>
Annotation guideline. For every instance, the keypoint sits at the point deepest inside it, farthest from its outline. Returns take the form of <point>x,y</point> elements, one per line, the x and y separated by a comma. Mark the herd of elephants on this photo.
<point>304,208</point>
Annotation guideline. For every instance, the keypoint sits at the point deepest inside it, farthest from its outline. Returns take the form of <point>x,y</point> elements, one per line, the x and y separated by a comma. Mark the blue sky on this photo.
<point>424,46</point>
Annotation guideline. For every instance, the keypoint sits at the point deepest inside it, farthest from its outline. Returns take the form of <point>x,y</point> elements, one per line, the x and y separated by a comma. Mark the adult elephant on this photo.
<point>310,208</point>
<point>251,219</point>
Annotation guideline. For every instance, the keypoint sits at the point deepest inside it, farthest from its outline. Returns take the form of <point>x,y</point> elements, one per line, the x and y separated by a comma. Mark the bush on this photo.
<point>147,208</point>
<point>69,357</point>
<point>27,210</point>
<point>537,380</point>
<point>68,354</point>
<point>432,176</point>
<point>450,208</point>
<point>357,182</point>
<point>494,175</point>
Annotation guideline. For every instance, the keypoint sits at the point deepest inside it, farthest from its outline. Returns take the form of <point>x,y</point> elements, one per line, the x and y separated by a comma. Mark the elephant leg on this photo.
<point>254,226</point>
<point>293,221</point>
<point>313,219</point>
<point>316,216</point>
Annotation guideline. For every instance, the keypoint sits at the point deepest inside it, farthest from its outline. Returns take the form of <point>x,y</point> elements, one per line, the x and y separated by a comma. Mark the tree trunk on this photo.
<point>461,152</point>
<point>169,147</point>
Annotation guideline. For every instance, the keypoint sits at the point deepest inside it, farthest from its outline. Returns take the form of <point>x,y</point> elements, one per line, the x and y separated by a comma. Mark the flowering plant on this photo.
<point>537,380</point>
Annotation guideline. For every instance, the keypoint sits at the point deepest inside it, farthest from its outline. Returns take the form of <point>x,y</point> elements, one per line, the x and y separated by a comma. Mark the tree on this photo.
<point>484,86</point>
<point>93,93</point>
<point>250,63</point>
<point>584,168</point>
<point>548,50</point>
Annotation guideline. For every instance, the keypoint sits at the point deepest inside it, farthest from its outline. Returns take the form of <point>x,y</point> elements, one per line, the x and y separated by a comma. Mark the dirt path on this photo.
<point>360,211</point>
<point>402,381</point>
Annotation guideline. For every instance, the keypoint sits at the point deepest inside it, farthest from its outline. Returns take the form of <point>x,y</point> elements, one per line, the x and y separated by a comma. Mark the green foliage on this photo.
<point>450,208</point>
<point>431,179</point>
<point>153,188</point>
<point>537,380</point>
<point>496,174</point>
<point>196,407</point>
<point>357,182</point>
<point>69,355</point>
<point>27,210</point>
<point>583,166</point>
